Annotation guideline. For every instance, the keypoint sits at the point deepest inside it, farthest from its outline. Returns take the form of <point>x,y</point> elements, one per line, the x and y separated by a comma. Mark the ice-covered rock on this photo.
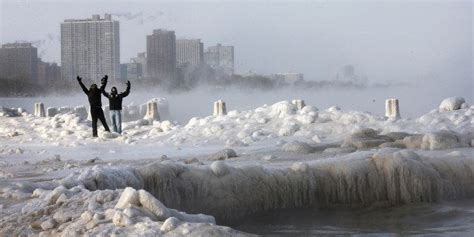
<point>153,205</point>
<point>80,111</point>
<point>220,168</point>
<point>298,147</point>
<point>440,140</point>
<point>413,141</point>
<point>109,135</point>
<point>282,109</point>
<point>451,103</point>
<point>170,224</point>
<point>122,220</point>
<point>299,103</point>
<point>365,139</point>
<point>51,111</point>
<point>7,112</point>
<point>223,154</point>
<point>129,197</point>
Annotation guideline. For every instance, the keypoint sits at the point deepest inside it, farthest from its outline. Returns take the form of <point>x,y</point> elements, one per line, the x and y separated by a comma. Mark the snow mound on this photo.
<point>451,103</point>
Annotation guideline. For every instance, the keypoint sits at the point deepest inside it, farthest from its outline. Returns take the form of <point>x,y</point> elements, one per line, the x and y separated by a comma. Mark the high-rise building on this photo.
<point>221,58</point>
<point>140,59</point>
<point>18,61</point>
<point>90,48</point>
<point>161,56</point>
<point>189,52</point>
<point>48,72</point>
<point>131,71</point>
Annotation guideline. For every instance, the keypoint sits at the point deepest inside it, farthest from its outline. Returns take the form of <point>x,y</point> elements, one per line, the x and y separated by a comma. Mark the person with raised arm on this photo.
<point>94,95</point>
<point>115,104</point>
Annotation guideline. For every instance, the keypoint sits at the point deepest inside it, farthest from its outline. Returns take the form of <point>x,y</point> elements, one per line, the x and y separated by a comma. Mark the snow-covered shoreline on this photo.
<point>276,157</point>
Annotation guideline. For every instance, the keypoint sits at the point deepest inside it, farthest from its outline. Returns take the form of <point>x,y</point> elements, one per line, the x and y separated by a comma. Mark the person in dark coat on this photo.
<point>94,95</point>
<point>115,104</point>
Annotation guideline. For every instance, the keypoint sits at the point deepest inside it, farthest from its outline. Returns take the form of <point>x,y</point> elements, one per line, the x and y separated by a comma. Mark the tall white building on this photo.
<point>90,48</point>
<point>221,58</point>
<point>189,52</point>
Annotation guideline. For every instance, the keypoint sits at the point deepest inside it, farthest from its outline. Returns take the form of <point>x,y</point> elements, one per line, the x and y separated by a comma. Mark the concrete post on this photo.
<point>81,112</point>
<point>219,108</point>
<point>152,111</point>
<point>39,110</point>
<point>392,110</point>
<point>299,103</point>
<point>51,111</point>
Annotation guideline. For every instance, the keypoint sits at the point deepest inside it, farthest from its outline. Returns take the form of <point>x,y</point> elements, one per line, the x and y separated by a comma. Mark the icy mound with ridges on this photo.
<point>387,177</point>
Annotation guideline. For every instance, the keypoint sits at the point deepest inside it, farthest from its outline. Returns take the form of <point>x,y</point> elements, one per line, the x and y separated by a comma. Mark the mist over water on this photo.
<point>415,100</point>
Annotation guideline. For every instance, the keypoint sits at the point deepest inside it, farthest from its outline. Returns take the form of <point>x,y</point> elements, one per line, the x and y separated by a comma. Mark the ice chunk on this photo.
<point>223,154</point>
<point>440,140</point>
<point>170,224</point>
<point>451,103</point>
<point>220,168</point>
<point>153,205</point>
<point>298,147</point>
<point>129,197</point>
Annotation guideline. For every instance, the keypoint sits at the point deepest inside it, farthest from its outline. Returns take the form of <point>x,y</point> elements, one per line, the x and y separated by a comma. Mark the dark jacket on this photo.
<point>94,95</point>
<point>115,100</point>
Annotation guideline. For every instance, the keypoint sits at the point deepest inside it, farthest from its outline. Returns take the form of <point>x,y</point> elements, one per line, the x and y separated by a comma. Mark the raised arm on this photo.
<point>82,85</point>
<point>103,83</point>
<point>127,91</point>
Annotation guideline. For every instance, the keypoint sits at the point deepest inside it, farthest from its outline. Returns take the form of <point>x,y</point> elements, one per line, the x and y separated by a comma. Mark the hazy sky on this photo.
<point>417,41</point>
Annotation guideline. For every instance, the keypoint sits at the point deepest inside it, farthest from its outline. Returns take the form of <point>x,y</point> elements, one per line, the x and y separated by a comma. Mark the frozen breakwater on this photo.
<point>280,156</point>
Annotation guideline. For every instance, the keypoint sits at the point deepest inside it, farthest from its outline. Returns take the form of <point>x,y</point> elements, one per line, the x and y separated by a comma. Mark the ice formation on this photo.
<point>452,103</point>
<point>389,176</point>
<point>310,158</point>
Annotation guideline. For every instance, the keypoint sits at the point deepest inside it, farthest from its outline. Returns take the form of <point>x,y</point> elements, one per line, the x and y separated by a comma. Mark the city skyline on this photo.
<point>271,38</point>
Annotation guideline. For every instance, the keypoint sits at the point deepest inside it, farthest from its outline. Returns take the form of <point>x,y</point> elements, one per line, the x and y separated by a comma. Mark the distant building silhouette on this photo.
<point>220,58</point>
<point>289,77</point>
<point>131,71</point>
<point>161,56</point>
<point>140,59</point>
<point>90,48</point>
<point>48,73</point>
<point>18,61</point>
<point>189,52</point>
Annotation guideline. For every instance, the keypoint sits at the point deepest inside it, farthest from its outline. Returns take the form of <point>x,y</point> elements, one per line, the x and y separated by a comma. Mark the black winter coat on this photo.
<point>115,100</point>
<point>94,95</point>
